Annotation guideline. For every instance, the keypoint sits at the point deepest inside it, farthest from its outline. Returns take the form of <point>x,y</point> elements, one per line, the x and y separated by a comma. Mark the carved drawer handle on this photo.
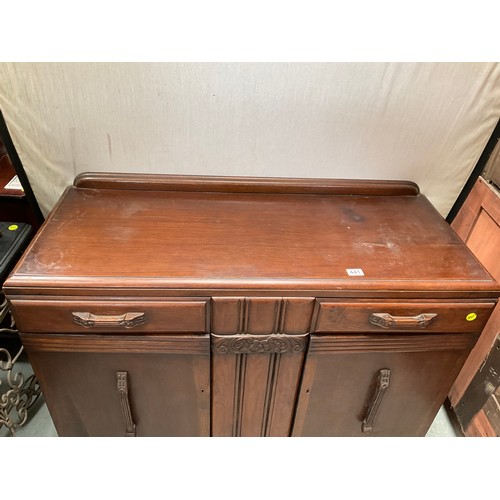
<point>383,379</point>
<point>127,320</point>
<point>385,320</point>
<point>122,386</point>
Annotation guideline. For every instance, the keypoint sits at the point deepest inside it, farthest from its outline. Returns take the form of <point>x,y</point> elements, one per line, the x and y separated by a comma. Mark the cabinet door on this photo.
<point>104,385</point>
<point>378,385</point>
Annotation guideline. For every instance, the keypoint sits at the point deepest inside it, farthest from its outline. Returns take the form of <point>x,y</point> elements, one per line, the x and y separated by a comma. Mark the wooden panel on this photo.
<point>171,344</point>
<point>476,358</point>
<point>477,223</point>
<point>340,377</point>
<point>199,183</point>
<point>484,241</point>
<point>491,410</point>
<point>386,317</point>
<point>483,196</point>
<point>255,383</point>
<point>327,344</point>
<point>178,316</point>
<point>262,316</point>
<point>169,394</point>
<point>480,427</point>
<point>297,315</point>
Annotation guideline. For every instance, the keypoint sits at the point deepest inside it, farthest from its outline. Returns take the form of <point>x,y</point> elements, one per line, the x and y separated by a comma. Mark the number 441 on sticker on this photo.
<point>355,272</point>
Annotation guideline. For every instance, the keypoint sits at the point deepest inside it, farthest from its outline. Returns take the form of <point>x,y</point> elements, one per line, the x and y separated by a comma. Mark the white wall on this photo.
<point>426,122</point>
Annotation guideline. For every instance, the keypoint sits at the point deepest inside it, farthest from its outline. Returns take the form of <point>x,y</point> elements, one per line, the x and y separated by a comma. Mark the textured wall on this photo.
<point>426,122</point>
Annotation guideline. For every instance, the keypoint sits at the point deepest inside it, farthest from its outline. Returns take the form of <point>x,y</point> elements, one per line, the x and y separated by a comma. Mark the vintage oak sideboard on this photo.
<point>161,305</point>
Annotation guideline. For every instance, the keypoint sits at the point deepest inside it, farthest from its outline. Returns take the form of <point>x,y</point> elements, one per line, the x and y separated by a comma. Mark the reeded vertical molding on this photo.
<point>239,394</point>
<point>243,315</point>
<point>280,312</point>
<point>271,385</point>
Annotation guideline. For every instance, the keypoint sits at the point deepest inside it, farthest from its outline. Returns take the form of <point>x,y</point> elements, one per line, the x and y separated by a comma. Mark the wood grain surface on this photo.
<point>234,240</point>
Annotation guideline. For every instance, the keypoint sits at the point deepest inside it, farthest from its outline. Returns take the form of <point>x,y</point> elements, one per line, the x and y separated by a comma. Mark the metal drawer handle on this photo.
<point>385,320</point>
<point>122,386</point>
<point>383,380</point>
<point>127,320</point>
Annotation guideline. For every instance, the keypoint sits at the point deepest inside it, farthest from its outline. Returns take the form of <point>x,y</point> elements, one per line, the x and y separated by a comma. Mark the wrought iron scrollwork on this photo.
<point>17,393</point>
<point>20,395</point>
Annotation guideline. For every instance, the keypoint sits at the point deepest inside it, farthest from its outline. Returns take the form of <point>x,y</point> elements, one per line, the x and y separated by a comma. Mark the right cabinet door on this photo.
<point>377,385</point>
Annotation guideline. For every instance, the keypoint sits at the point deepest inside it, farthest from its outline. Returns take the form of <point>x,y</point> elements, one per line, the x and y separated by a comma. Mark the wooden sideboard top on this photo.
<point>126,232</point>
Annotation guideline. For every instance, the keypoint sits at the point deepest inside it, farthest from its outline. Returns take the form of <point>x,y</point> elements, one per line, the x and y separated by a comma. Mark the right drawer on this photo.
<point>399,316</point>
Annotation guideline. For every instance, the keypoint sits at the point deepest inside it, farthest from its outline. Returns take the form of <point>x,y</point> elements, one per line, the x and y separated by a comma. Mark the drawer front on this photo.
<point>108,316</point>
<point>394,316</point>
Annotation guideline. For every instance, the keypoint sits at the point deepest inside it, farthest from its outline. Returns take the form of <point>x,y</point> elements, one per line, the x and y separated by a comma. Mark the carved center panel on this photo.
<point>270,344</point>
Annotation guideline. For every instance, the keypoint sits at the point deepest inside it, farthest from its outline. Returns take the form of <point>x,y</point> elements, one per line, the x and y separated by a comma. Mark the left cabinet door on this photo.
<point>124,385</point>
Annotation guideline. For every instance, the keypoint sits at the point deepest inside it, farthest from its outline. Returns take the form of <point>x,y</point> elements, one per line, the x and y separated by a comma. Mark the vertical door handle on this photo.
<point>383,379</point>
<point>122,386</point>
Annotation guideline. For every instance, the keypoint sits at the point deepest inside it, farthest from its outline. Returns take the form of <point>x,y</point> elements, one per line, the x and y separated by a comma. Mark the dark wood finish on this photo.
<point>478,225</point>
<point>184,315</point>
<point>169,388</point>
<point>257,315</point>
<point>268,185</point>
<point>255,380</point>
<point>341,373</point>
<point>176,344</point>
<point>214,286</point>
<point>235,241</point>
<point>407,315</point>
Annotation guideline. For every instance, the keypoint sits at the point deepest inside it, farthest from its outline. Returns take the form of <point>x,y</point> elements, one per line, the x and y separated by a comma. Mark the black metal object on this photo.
<point>17,393</point>
<point>19,169</point>
<point>478,170</point>
<point>14,237</point>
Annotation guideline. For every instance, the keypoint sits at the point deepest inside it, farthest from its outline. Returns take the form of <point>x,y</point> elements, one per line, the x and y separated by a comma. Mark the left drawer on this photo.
<point>186,315</point>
